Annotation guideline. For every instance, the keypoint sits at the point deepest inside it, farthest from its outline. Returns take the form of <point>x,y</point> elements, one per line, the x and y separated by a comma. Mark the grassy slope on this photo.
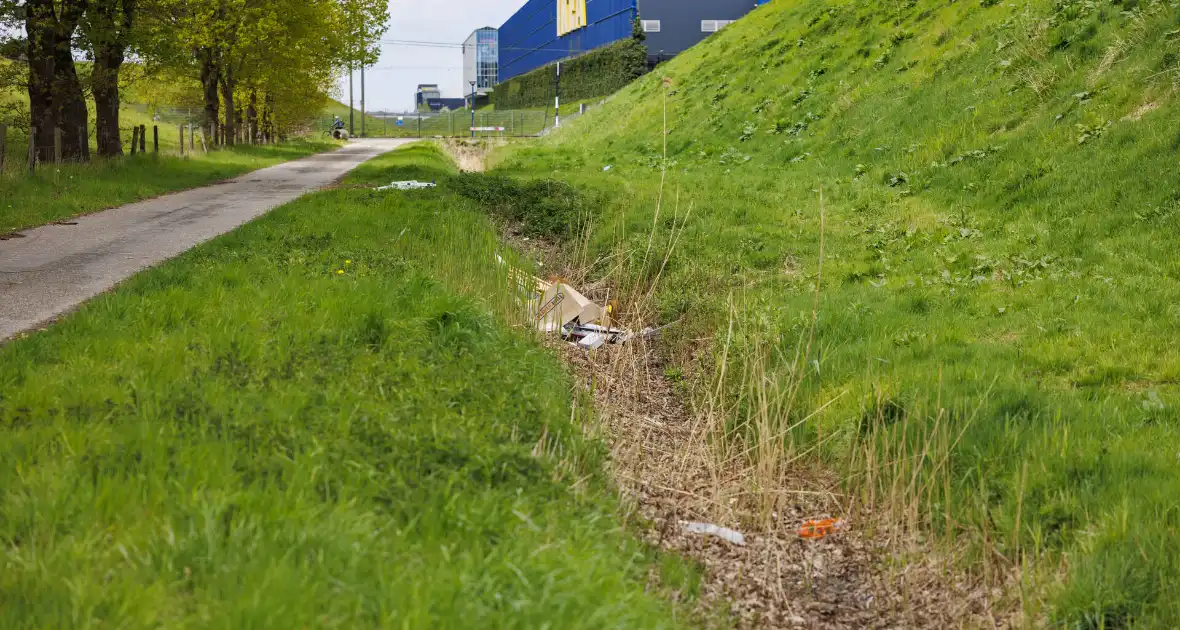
<point>336,108</point>
<point>1002,207</point>
<point>300,425</point>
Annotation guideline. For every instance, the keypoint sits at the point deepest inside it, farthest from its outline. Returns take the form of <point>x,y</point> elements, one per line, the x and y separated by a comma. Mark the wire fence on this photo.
<point>179,139</point>
<point>521,123</point>
<point>456,124</point>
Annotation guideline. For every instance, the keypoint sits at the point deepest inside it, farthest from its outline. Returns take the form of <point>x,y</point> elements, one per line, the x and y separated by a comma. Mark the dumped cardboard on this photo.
<point>557,307</point>
<point>561,304</point>
<point>408,185</point>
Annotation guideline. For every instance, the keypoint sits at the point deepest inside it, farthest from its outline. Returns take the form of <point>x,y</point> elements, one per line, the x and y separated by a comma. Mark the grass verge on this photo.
<point>54,193</point>
<point>318,420</point>
<point>992,356</point>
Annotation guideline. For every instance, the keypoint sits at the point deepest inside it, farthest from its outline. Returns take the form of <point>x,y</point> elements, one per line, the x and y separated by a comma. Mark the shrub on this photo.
<point>596,73</point>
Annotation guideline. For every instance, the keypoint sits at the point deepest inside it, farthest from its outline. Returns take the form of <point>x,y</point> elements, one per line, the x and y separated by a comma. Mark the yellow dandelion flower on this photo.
<point>348,262</point>
<point>340,272</point>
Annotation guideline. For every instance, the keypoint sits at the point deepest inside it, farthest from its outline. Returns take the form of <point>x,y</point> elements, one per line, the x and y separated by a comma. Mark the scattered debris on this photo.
<point>408,185</point>
<point>592,341</point>
<point>583,332</point>
<point>606,168</point>
<point>816,529</point>
<point>724,533</point>
<point>556,307</point>
<point>11,235</point>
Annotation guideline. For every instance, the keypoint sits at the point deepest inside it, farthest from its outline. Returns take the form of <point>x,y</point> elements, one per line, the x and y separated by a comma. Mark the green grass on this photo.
<point>455,124</point>
<point>1002,205</point>
<point>317,420</point>
<point>53,193</point>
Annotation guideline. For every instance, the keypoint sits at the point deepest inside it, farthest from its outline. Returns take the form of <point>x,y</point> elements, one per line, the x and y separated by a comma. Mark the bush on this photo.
<point>596,73</point>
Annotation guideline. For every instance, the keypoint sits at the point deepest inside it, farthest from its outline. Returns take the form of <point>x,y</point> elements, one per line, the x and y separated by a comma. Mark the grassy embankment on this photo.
<point>998,314</point>
<point>318,420</point>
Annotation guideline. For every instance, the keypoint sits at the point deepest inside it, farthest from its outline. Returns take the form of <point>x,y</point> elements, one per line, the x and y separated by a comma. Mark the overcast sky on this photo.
<point>391,83</point>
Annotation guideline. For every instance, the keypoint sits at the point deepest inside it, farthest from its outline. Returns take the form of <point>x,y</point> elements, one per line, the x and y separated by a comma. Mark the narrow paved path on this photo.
<point>57,267</point>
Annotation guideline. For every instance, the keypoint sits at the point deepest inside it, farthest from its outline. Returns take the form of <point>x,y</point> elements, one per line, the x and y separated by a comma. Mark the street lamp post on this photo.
<point>472,109</point>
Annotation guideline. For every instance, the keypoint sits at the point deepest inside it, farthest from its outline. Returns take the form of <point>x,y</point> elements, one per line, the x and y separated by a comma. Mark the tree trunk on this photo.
<point>266,120</point>
<point>106,101</point>
<point>67,89</point>
<point>210,78</point>
<point>252,116</point>
<point>227,95</point>
<point>41,27</point>
<point>107,25</point>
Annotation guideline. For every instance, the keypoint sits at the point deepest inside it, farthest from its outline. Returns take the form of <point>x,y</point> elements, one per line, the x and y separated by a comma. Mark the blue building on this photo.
<point>545,31</point>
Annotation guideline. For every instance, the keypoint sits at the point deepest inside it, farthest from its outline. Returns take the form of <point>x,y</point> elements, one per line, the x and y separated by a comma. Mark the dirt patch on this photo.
<point>1141,111</point>
<point>867,575</point>
<point>470,155</point>
<point>849,579</point>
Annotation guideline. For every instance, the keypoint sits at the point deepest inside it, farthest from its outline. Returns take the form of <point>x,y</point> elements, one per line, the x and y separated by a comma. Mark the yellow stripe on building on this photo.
<point>571,16</point>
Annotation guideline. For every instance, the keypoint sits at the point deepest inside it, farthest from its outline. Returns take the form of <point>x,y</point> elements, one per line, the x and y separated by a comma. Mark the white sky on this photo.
<point>391,83</point>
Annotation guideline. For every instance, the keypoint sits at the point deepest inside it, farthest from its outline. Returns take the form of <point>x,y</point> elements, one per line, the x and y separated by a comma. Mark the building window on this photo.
<point>651,26</point>
<point>712,26</point>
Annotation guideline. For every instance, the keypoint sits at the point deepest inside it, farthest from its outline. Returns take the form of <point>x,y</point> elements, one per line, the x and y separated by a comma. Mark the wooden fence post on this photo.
<point>204,146</point>
<point>182,141</point>
<point>143,138</point>
<point>32,149</point>
<point>155,138</point>
<point>3,144</point>
<point>57,145</point>
<point>192,143</point>
<point>134,139</point>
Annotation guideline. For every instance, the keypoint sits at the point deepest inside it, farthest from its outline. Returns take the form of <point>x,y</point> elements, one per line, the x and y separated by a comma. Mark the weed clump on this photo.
<point>544,207</point>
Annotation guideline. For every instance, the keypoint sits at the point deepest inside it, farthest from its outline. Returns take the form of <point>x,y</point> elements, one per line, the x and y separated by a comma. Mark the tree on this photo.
<point>108,26</point>
<point>365,22</point>
<point>56,100</point>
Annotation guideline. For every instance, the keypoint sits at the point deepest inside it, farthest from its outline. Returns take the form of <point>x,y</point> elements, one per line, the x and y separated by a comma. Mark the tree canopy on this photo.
<point>263,66</point>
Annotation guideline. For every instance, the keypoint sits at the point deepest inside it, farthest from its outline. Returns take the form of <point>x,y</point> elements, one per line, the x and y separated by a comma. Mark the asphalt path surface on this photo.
<point>56,267</point>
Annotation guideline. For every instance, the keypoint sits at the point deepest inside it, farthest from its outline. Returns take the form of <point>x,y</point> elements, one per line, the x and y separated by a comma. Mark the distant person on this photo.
<point>337,124</point>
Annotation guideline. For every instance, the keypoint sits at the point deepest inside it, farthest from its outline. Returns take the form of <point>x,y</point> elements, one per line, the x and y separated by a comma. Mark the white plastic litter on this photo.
<point>724,533</point>
<point>408,185</point>
<point>592,341</point>
<point>606,168</point>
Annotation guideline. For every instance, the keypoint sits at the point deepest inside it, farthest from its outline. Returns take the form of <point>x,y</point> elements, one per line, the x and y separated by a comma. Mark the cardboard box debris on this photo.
<point>561,304</point>
<point>557,307</point>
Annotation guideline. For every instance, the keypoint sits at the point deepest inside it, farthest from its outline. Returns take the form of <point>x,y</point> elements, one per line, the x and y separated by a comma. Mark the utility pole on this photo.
<point>472,109</point>
<point>557,97</point>
<point>350,109</point>
<point>362,100</point>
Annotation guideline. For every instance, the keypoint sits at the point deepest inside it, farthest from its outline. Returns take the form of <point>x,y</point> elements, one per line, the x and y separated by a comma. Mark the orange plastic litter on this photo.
<point>818,529</point>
